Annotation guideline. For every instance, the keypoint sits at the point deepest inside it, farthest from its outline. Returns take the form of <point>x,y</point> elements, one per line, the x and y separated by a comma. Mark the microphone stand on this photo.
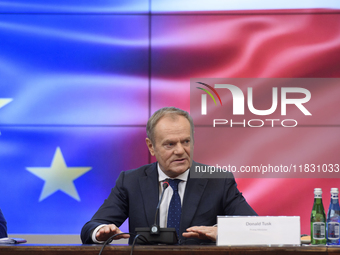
<point>155,234</point>
<point>154,230</point>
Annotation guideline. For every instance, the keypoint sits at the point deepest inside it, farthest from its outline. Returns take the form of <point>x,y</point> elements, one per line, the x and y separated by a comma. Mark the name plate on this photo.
<point>258,230</point>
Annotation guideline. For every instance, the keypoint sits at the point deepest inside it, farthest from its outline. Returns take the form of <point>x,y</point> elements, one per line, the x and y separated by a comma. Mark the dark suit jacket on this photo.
<point>136,195</point>
<point>3,226</point>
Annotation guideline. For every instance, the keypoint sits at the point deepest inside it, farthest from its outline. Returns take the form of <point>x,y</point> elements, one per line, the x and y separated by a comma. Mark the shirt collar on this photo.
<point>162,176</point>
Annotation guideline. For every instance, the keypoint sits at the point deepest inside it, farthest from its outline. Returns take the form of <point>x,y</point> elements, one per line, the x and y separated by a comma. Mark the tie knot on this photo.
<point>174,183</point>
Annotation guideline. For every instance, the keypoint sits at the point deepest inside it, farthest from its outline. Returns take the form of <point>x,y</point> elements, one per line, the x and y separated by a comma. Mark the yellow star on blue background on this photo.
<point>4,101</point>
<point>58,176</point>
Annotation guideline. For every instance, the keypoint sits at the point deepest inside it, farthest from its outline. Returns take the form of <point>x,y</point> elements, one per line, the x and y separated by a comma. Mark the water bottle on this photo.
<point>333,219</point>
<point>318,219</point>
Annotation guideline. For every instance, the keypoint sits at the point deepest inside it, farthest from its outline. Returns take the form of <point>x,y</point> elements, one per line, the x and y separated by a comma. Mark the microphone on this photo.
<point>154,230</point>
<point>155,234</point>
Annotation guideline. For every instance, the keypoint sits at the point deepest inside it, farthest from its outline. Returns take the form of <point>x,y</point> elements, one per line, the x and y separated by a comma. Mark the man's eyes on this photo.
<point>172,144</point>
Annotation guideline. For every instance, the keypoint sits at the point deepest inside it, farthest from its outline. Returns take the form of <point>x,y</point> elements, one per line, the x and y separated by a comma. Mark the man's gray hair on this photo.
<point>172,111</point>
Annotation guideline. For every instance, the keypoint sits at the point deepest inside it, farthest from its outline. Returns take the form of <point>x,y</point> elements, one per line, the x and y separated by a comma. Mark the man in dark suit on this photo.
<point>3,226</point>
<point>136,194</point>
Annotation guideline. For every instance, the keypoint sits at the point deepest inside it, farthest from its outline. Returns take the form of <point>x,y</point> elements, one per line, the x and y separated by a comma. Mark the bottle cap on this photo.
<point>317,191</point>
<point>335,190</point>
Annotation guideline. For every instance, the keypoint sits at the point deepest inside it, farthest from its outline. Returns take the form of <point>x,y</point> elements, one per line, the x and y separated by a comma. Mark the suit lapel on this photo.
<point>149,188</point>
<point>192,197</point>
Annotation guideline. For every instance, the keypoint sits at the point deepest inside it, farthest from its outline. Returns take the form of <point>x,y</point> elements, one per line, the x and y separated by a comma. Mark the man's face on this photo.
<point>172,144</point>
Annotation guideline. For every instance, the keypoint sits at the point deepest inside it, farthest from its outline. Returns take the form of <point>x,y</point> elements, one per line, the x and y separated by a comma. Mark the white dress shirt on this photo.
<point>163,209</point>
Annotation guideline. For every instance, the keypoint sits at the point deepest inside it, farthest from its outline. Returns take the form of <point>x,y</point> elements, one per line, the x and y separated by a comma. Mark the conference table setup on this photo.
<point>75,249</point>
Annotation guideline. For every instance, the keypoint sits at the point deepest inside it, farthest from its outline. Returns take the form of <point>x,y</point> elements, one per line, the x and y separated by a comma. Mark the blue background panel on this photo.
<point>73,6</point>
<point>108,151</point>
<point>74,69</point>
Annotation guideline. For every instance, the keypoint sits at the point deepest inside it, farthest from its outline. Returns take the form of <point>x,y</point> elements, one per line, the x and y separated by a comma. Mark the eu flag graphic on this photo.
<point>53,179</point>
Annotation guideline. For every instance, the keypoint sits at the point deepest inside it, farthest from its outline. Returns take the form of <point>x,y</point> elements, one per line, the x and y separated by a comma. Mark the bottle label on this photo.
<point>334,196</point>
<point>333,230</point>
<point>317,195</point>
<point>319,230</point>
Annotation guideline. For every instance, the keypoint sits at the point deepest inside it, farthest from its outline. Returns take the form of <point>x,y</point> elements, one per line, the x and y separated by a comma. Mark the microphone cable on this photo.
<point>109,240</point>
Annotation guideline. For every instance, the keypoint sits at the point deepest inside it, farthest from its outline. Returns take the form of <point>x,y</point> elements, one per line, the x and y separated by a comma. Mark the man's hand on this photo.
<point>201,232</point>
<point>107,231</point>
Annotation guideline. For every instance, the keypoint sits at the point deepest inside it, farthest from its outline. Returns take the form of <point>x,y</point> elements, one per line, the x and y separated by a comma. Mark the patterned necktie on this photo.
<point>175,210</point>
